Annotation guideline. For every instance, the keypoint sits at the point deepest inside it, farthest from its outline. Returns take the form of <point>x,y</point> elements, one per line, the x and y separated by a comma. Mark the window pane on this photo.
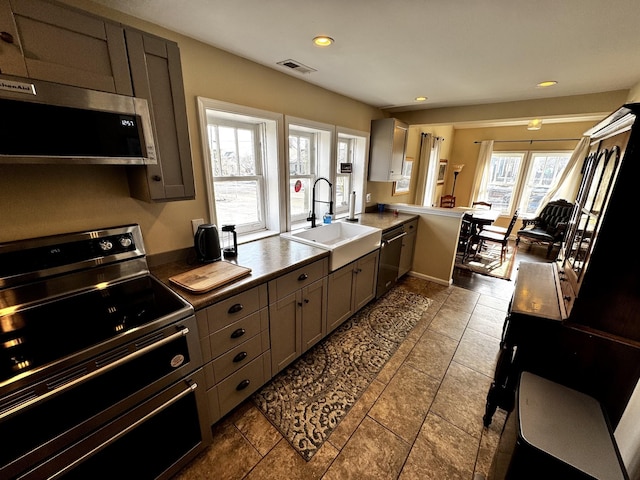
<point>342,192</point>
<point>228,151</point>
<point>502,180</point>
<point>237,202</point>
<point>246,150</point>
<point>299,155</point>
<point>300,200</point>
<point>545,168</point>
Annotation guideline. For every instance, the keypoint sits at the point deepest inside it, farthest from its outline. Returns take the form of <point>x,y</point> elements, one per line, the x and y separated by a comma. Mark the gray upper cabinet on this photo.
<point>157,76</point>
<point>47,41</point>
<point>388,149</point>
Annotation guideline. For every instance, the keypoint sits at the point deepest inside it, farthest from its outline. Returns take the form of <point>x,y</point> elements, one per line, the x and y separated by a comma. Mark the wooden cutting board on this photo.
<point>208,277</point>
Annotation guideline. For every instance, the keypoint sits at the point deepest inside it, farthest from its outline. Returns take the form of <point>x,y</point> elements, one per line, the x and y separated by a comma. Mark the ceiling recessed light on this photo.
<point>420,99</point>
<point>323,41</point>
<point>547,83</point>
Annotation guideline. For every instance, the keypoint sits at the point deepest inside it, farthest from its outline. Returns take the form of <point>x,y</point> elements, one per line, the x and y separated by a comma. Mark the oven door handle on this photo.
<point>190,388</point>
<point>99,371</point>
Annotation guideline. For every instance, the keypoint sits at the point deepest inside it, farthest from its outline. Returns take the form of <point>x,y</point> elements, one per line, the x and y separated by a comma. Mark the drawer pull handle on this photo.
<point>239,357</point>
<point>243,384</point>
<point>303,276</point>
<point>235,308</point>
<point>238,333</point>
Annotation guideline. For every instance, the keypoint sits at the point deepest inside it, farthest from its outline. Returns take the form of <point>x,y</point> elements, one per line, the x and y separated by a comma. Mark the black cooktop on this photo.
<point>47,332</point>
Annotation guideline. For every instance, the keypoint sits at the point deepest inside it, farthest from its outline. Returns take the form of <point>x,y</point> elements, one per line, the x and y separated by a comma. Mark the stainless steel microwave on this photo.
<point>49,123</point>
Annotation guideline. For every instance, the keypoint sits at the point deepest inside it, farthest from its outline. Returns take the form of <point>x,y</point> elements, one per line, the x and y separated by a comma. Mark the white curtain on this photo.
<point>429,198</point>
<point>423,166</point>
<point>567,183</point>
<point>482,165</point>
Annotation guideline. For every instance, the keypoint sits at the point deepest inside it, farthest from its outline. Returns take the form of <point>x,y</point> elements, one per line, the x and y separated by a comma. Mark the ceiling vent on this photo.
<point>297,66</point>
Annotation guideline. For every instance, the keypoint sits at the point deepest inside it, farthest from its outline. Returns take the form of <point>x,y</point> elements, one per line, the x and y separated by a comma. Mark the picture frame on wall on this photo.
<point>401,187</point>
<point>442,170</point>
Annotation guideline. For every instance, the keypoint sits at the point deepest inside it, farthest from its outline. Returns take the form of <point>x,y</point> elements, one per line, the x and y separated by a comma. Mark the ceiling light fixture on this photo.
<point>420,99</point>
<point>547,83</point>
<point>535,124</point>
<point>323,41</point>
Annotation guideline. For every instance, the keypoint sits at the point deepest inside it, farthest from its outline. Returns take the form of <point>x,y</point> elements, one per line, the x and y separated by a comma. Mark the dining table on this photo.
<point>480,217</point>
<point>473,221</point>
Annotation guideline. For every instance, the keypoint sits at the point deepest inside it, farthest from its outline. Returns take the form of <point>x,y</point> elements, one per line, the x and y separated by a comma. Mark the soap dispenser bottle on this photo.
<point>326,219</point>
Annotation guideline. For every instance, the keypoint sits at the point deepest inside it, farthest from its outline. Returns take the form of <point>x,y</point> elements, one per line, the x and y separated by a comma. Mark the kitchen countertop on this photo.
<point>384,220</point>
<point>267,258</point>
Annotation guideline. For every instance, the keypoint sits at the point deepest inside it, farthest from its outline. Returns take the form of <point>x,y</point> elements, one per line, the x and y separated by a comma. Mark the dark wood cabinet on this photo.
<point>577,321</point>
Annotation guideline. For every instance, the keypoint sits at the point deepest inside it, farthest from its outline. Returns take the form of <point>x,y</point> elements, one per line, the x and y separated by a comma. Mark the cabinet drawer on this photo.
<point>238,332</point>
<point>237,357</point>
<point>299,278</point>
<point>234,308</point>
<point>237,387</point>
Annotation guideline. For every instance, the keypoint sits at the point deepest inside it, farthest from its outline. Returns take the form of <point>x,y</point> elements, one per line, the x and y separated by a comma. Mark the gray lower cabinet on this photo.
<point>408,247</point>
<point>234,338</point>
<point>350,288</point>
<point>157,77</point>
<point>47,41</point>
<point>297,312</point>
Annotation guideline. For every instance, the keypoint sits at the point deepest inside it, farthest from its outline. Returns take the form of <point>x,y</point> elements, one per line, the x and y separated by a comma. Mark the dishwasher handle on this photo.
<point>387,241</point>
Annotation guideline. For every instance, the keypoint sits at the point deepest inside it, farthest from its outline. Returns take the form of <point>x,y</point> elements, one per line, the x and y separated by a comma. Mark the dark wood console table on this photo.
<point>535,315</point>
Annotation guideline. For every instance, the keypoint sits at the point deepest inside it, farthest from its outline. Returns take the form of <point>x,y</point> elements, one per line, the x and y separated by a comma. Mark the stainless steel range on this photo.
<point>100,373</point>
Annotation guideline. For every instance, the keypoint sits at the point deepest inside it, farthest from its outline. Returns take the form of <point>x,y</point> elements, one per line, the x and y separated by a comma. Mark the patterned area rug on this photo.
<point>309,398</point>
<point>488,261</point>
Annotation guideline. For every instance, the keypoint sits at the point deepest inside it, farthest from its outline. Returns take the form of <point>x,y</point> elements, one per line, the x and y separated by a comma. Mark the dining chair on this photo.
<point>485,236</point>
<point>447,201</point>
<point>482,204</point>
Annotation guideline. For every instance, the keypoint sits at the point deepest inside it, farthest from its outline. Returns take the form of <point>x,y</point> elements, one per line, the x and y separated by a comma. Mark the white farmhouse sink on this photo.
<point>346,242</point>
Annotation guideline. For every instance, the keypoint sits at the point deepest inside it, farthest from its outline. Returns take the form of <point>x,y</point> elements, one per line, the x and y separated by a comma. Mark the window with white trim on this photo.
<point>343,185</point>
<point>242,159</point>
<point>255,160</point>
<point>310,154</point>
<point>238,183</point>
<point>302,173</point>
<point>520,179</point>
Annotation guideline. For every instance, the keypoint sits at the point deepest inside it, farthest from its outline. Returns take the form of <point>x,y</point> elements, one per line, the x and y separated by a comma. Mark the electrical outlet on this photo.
<point>368,198</point>
<point>195,223</point>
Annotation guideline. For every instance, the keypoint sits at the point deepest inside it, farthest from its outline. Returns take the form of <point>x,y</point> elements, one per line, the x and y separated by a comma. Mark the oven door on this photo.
<point>41,421</point>
<point>154,440</point>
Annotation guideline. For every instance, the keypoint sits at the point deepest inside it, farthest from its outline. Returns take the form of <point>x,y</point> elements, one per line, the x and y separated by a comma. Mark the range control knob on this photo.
<point>125,242</point>
<point>105,245</point>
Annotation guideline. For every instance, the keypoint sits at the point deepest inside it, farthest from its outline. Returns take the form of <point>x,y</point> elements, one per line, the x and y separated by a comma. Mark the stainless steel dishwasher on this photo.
<point>389,259</point>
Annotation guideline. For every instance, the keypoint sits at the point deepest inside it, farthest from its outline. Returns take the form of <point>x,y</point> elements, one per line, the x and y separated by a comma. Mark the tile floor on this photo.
<point>421,418</point>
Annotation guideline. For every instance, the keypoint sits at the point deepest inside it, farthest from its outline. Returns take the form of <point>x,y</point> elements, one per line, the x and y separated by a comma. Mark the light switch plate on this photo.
<point>368,197</point>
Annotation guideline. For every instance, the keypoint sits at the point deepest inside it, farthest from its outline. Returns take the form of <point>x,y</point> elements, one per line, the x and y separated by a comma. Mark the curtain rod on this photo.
<point>531,140</point>
<point>423,134</point>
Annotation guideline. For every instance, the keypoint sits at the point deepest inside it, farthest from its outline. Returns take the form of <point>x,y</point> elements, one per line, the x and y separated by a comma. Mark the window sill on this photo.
<point>250,237</point>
